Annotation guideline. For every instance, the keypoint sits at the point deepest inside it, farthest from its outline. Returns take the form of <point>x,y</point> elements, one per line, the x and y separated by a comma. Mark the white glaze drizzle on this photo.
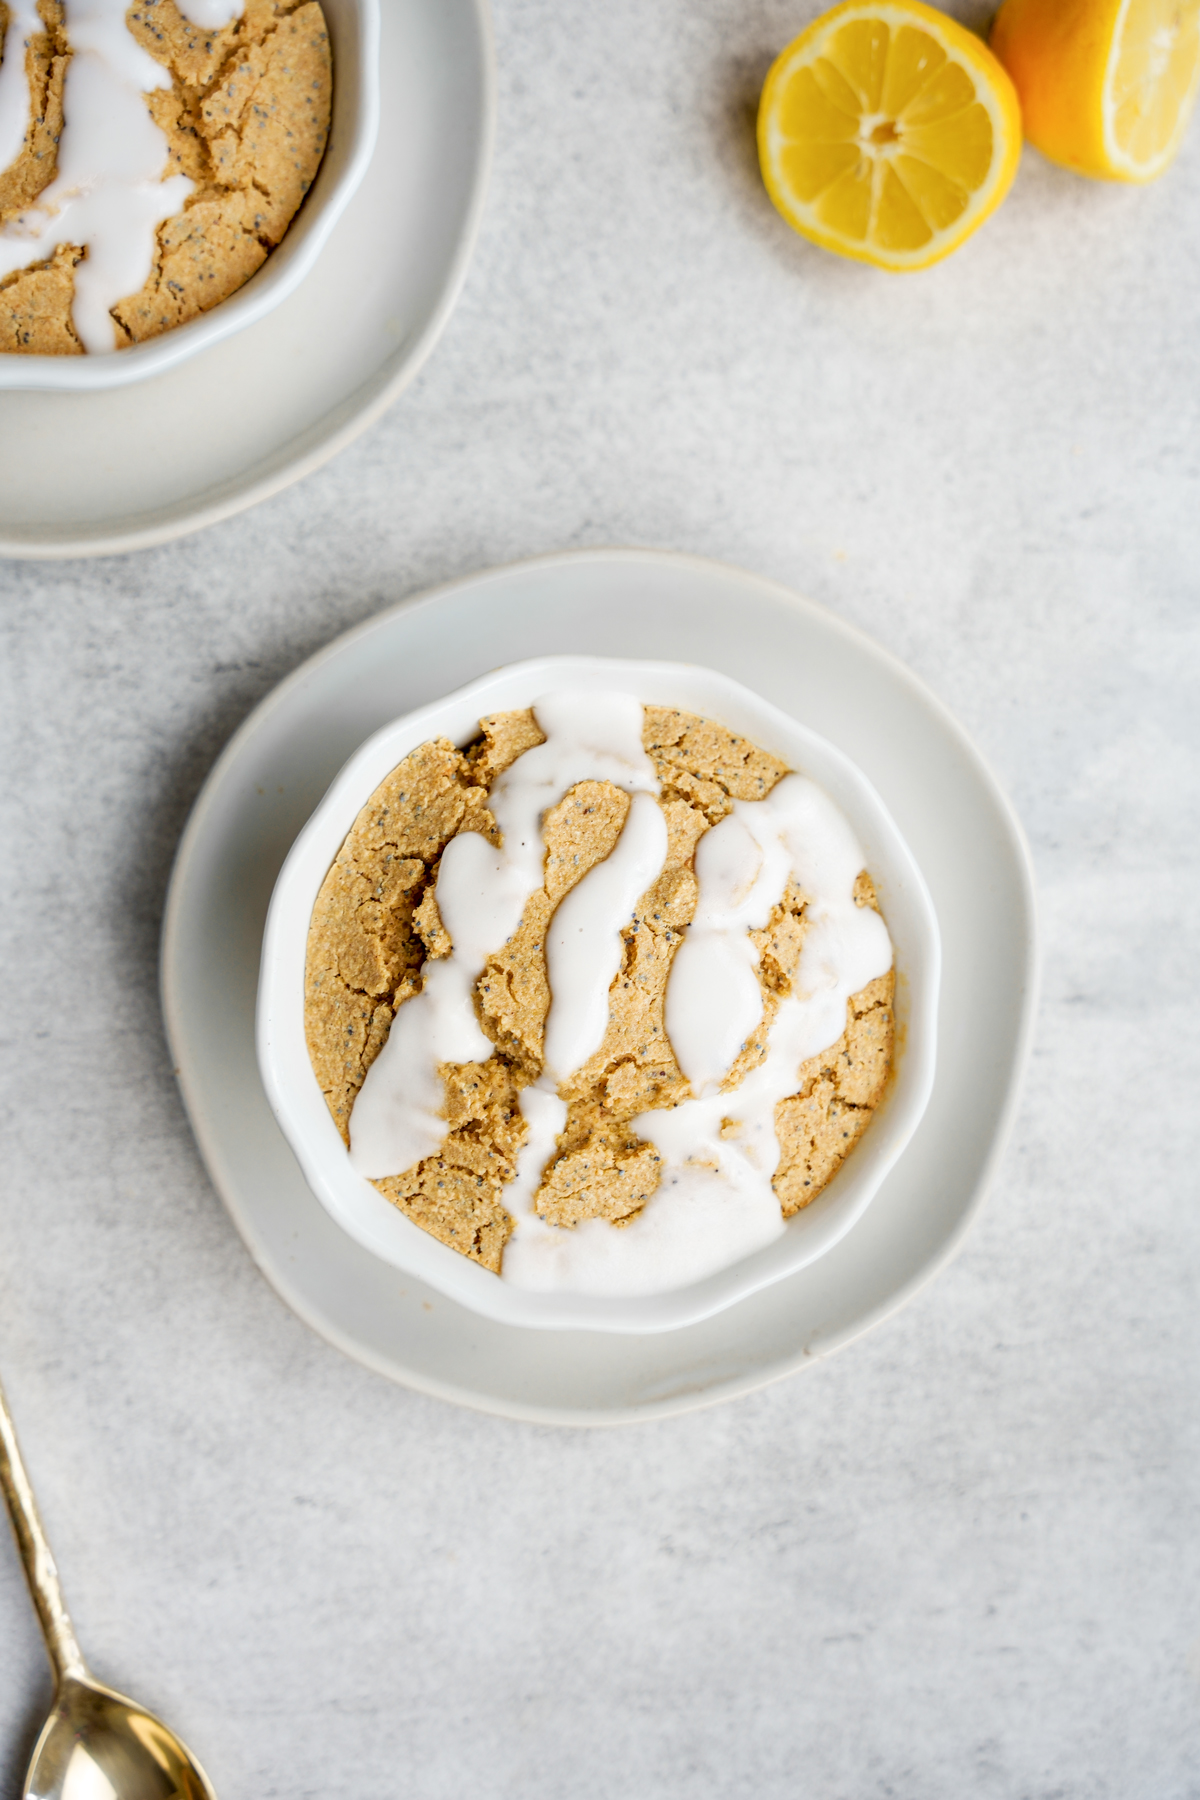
<point>15,103</point>
<point>583,944</point>
<point>715,1203</point>
<point>545,1113</point>
<point>583,957</point>
<point>687,1230</point>
<point>714,1000</point>
<point>109,195</point>
<point>211,15</point>
<point>481,894</point>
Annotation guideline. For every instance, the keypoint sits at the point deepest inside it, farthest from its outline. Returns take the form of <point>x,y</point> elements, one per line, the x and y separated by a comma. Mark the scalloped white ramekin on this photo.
<point>299,1105</point>
<point>353,126</point>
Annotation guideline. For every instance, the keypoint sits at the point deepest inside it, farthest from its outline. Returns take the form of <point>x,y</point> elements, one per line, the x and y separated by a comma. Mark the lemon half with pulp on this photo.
<point>888,132</point>
<point>1107,86</point>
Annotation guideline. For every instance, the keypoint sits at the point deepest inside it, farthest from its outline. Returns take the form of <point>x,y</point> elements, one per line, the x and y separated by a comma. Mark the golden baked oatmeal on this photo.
<point>377,932</point>
<point>243,114</point>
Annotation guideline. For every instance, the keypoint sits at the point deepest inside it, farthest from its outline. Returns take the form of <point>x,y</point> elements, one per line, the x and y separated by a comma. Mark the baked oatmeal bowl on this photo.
<point>598,995</point>
<point>182,165</point>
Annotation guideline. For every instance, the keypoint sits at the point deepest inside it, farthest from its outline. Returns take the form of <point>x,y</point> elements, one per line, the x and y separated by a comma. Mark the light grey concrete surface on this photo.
<point>961,1557</point>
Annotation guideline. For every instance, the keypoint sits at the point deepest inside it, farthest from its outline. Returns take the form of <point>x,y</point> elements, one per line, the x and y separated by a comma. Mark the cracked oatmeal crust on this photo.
<point>246,117</point>
<point>376,920</point>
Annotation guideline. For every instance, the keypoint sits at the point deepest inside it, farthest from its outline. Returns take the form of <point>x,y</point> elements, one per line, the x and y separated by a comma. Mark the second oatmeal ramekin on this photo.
<point>353,128</point>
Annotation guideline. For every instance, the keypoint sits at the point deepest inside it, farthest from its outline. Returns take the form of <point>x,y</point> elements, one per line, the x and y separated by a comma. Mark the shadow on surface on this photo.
<point>174,774</point>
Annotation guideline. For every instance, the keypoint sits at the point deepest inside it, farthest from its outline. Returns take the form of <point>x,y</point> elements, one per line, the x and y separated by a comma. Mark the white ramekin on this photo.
<point>353,125</point>
<point>299,1104</point>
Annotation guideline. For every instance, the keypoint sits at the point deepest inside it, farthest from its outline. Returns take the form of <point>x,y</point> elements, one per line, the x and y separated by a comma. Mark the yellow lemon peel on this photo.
<point>1106,86</point>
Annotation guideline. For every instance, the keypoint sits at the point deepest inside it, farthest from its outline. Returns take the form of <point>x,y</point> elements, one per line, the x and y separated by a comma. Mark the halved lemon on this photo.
<point>888,132</point>
<point>1107,86</point>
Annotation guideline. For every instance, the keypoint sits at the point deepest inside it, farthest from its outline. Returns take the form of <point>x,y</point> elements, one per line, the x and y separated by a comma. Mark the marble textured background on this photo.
<point>962,1556</point>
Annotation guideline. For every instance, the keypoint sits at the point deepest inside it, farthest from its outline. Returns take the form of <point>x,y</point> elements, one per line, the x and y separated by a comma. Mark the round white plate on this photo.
<point>944,801</point>
<point>91,473</point>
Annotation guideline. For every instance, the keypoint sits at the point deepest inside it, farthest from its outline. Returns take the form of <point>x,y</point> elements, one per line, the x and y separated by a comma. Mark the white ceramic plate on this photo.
<point>945,803</point>
<point>299,1105</point>
<point>85,474</point>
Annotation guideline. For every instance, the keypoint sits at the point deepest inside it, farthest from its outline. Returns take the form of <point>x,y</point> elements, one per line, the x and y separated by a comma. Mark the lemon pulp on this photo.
<point>1153,79</point>
<point>888,132</point>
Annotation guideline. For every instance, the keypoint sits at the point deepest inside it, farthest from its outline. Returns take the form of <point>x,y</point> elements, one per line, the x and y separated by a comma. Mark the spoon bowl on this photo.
<point>98,1745</point>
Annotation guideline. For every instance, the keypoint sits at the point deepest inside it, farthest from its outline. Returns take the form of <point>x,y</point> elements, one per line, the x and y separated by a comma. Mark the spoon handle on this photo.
<point>37,1558</point>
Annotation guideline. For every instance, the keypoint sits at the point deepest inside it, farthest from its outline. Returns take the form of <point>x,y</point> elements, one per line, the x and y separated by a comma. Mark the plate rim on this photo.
<point>744,1382</point>
<point>191,516</point>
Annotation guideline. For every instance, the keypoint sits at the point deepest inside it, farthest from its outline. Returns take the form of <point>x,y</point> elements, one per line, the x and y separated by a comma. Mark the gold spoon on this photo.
<point>96,1745</point>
